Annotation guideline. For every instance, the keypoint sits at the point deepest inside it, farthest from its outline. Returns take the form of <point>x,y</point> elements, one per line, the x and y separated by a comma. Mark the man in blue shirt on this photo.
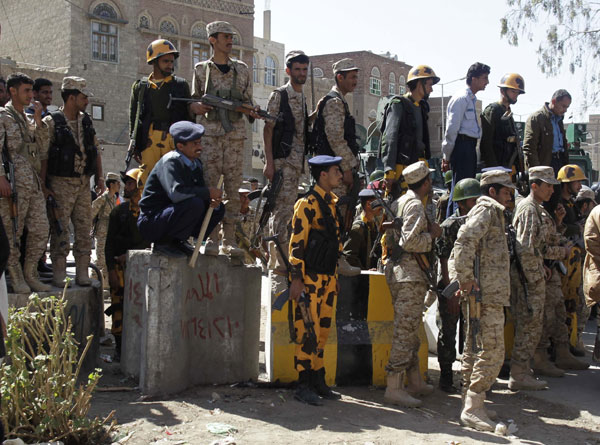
<point>176,198</point>
<point>462,130</point>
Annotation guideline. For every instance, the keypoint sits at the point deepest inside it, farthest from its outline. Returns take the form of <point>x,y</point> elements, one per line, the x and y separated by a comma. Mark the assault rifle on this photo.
<point>223,105</point>
<point>51,207</point>
<point>511,235</point>
<point>474,306</point>
<point>517,158</point>
<point>310,336</point>
<point>270,192</point>
<point>9,169</point>
<point>130,152</point>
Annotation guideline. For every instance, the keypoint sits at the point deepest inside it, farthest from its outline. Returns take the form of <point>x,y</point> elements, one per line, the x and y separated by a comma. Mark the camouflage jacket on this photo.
<point>483,234</point>
<point>531,238</point>
<point>334,115</point>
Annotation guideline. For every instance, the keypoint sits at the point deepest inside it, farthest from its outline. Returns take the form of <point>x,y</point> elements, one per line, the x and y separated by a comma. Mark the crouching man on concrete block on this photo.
<point>175,197</point>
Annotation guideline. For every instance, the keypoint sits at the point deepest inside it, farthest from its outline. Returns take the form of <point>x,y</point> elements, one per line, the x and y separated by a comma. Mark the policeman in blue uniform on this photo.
<point>175,197</point>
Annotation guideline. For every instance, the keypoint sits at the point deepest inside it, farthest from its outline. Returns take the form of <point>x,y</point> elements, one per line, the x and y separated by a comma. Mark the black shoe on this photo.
<point>43,268</point>
<point>168,249</point>
<point>576,351</point>
<point>184,247</point>
<point>446,383</point>
<point>321,387</point>
<point>305,394</point>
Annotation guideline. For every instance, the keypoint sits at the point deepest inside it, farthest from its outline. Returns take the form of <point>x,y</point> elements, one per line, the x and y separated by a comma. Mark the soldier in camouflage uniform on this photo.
<point>466,193</point>
<point>72,159</point>
<point>528,312</point>
<point>556,252</point>
<point>358,248</point>
<point>313,252</point>
<point>243,225</point>
<point>223,150</point>
<point>285,145</point>
<point>408,286</point>
<point>101,208</point>
<point>482,235</point>
<point>25,140</point>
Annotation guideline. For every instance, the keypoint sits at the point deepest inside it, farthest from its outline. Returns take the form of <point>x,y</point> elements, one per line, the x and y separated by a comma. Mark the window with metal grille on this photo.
<point>105,39</point>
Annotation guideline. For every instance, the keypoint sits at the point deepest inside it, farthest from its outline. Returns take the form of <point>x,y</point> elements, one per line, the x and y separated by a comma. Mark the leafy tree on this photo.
<point>569,36</point>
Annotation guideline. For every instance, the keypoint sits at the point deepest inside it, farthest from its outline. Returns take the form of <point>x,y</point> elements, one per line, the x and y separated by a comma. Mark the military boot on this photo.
<point>344,268</point>
<point>566,360</point>
<point>211,247</point>
<point>31,278</point>
<point>229,245</point>
<point>59,272</point>
<point>416,386</point>
<point>305,393</point>
<point>521,379</point>
<point>395,393</point>
<point>321,387</point>
<point>81,271</point>
<point>543,366</point>
<point>474,415</point>
<point>19,286</point>
<point>579,349</point>
<point>446,382</point>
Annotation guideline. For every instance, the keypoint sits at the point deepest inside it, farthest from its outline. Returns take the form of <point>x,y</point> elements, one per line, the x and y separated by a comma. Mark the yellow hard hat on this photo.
<point>571,173</point>
<point>134,173</point>
<point>160,48</point>
<point>514,81</point>
<point>422,72</point>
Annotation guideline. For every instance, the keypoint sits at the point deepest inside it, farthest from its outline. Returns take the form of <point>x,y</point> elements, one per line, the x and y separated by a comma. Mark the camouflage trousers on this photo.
<point>224,155</point>
<point>159,144</point>
<point>31,212</point>
<point>555,314</point>
<point>408,299</point>
<point>280,220</point>
<point>74,201</point>
<point>321,290</point>
<point>528,327</point>
<point>446,341</point>
<point>480,369</point>
<point>101,231</point>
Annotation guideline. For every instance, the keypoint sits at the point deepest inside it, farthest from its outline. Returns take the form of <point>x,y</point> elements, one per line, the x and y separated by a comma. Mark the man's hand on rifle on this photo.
<point>296,289</point>
<point>215,197</point>
<point>435,230</point>
<point>4,187</point>
<point>467,287</point>
<point>348,179</point>
<point>254,113</point>
<point>200,108</point>
<point>269,170</point>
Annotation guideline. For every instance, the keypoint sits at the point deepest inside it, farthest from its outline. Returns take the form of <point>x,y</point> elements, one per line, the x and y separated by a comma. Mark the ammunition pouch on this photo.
<point>321,252</point>
<point>232,93</point>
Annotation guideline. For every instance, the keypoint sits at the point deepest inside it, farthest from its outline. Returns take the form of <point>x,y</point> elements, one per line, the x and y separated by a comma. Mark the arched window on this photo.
<point>144,22</point>
<point>401,80</point>
<point>318,72</point>
<point>392,79</point>
<point>270,71</point>
<point>167,27</point>
<point>255,69</point>
<point>199,31</point>
<point>106,11</point>
<point>375,82</point>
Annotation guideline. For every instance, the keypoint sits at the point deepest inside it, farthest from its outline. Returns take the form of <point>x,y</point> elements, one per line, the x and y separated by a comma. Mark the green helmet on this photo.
<point>466,188</point>
<point>377,175</point>
<point>448,177</point>
<point>478,176</point>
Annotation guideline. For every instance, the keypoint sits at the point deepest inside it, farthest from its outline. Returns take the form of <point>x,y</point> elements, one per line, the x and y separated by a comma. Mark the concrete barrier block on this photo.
<point>85,306</point>
<point>185,327</point>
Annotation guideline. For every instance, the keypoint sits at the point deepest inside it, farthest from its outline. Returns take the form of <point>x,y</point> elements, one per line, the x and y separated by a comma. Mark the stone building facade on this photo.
<point>105,42</point>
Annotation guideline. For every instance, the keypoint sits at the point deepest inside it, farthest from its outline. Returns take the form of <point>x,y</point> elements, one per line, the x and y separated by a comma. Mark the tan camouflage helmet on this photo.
<point>219,26</point>
<point>159,48</point>
<point>415,172</point>
<point>76,83</point>
<point>344,65</point>
<point>586,193</point>
<point>110,176</point>
<point>422,72</point>
<point>514,81</point>
<point>498,176</point>
<point>542,173</point>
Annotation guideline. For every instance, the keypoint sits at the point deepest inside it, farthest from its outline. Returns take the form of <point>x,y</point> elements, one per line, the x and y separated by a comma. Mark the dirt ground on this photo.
<point>567,413</point>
